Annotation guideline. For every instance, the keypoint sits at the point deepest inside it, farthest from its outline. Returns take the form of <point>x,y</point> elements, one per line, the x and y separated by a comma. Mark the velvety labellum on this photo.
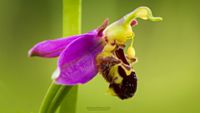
<point>116,70</point>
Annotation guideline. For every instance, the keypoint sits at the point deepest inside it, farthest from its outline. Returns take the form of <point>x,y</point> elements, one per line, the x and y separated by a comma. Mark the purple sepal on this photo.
<point>77,63</point>
<point>51,48</point>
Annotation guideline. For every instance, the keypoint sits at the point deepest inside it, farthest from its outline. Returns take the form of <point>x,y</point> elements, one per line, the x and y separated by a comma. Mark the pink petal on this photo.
<point>51,48</point>
<point>77,63</point>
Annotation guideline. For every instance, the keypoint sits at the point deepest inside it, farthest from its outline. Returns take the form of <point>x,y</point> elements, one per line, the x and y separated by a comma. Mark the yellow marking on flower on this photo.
<point>111,92</point>
<point>128,72</point>
<point>131,52</point>
<point>108,48</point>
<point>115,75</point>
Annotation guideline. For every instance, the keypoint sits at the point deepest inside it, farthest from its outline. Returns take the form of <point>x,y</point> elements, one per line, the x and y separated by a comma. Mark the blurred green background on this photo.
<point>168,53</point>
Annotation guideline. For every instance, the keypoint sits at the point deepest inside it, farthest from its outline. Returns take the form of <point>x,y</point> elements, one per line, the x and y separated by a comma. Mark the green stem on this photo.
<point>56,94</point>
<point>59,97</point>
<point>71,17</point>
<point>71,26</point>
<point>52,91</point>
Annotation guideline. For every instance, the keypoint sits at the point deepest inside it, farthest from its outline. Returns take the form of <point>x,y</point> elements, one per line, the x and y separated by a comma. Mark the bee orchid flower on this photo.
<point>82,56</point>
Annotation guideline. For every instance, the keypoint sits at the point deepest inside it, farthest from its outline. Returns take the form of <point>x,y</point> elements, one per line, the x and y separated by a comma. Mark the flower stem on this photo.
<point>71,26</point>
<point>52,91</point>
<point>59,95</point>
<point>71,17</point>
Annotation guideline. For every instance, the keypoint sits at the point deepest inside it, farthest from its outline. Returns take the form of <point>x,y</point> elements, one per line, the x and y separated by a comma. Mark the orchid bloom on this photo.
<point>101,50</point>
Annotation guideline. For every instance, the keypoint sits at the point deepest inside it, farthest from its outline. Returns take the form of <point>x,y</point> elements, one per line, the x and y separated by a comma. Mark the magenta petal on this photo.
<point>51,48</point>
<point>77,63</point>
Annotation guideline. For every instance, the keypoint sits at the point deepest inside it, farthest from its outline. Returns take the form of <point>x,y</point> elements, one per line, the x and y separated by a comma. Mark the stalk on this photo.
<point>71,26</point>
<point>59,95</point>
<point>51,93</point>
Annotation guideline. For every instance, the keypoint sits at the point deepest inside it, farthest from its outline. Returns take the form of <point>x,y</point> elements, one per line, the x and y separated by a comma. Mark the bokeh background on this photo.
<point>168,53</point>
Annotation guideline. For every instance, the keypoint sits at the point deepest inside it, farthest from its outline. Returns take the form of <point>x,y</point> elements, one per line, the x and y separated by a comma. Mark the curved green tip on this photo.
<point>143,12</point>
<point>121,30</point>
<point>156,19</point>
